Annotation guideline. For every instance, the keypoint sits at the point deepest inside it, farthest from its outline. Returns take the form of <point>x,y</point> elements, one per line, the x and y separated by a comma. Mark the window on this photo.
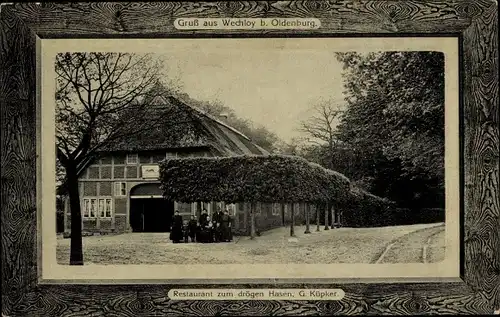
<point>107,208</point>
<point>231,208</point>
<point>101,207</point>
<point>132,158</point>
<point>86,208</point>
<point>93,208</point>
<point>121,189</point>
<point>170,155</point>
<point>218,206</point>
<point>276,209</point>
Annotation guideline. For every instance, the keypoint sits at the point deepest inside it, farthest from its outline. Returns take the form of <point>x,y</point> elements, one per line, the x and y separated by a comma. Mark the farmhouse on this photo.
<point>120,190</point>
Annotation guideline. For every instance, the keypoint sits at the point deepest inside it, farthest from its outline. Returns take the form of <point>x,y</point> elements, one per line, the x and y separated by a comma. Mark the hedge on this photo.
<point>367,210</point>
<point>407,216</point>
<point>263,178</point>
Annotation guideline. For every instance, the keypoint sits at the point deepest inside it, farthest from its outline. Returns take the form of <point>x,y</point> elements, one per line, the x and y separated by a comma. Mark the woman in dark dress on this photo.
<point>176,234</point>
<point>217,226</point>
<point>206,231</point>
<point>226,227</point>
<point>214,231</point>
<point>204,218</point>
<point>193,228</point>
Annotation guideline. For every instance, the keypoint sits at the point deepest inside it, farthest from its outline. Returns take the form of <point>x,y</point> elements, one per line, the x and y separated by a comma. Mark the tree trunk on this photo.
<point>252,221</point>
<point>308,210</point>
<point>333,216</point>
<point>282,214</point>
<point>317,216</point>
<point>326,208</point>
<point>76,248</point>
<point>292,221</point>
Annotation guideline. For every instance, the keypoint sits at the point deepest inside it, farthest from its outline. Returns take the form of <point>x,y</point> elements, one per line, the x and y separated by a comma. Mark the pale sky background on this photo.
<point>270,81</point>
<point>272,86</point>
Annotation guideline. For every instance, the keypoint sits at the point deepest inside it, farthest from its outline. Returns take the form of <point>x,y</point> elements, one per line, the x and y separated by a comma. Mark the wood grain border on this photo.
<point>474,22</point>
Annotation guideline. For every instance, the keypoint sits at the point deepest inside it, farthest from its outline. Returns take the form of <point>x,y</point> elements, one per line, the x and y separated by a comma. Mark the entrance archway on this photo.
<point>149,211</point>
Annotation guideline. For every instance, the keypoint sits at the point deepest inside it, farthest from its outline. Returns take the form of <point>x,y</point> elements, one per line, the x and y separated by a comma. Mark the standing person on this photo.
<point>218,225</point>
<point>193,228</point>
<point>226,227</point>
<point>185,231</point>
<point>176,229</point>
<point>209,231</point>
<point>205,230</point>
<point>204,218</point>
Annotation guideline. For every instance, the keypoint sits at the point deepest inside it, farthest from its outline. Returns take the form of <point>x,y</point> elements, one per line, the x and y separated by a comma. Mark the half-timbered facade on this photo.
<point>119,188</point>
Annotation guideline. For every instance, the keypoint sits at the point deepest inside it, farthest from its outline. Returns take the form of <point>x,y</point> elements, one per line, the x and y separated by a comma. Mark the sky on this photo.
<point>272,84</point>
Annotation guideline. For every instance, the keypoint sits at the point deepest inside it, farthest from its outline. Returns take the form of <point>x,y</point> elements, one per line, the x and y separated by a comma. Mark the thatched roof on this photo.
<point>177,125</point>
<point>264,178</point>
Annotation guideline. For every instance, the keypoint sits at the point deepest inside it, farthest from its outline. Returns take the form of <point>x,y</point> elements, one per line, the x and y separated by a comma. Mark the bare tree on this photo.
<point>320,127</point>
<point>96,96</point>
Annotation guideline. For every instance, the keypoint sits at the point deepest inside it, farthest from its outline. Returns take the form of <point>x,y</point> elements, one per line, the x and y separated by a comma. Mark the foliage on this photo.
<point>258,134</point>
<point>398,97</point>
<point>272,178</point>
<point>390,139</point>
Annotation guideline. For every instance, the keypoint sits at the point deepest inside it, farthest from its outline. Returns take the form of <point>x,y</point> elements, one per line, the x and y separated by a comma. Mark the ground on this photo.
<point>398,244</point>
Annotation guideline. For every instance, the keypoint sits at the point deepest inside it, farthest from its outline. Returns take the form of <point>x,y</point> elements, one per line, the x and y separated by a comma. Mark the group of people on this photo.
<point>204,230</point>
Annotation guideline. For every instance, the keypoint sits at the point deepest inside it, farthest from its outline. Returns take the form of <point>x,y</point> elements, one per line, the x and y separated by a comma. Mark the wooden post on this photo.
<point>142,217</point>
<point>292,220</point>
<point>198,210</point>
<point>252,221</point>
<point>326,209</point>
<point>307,211</point>
<point>317,216</point>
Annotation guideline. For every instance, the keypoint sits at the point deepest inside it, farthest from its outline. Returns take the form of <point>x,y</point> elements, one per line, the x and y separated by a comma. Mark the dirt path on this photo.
<point>343,245</point>
<point>421,246</point>
<point>436,247</point>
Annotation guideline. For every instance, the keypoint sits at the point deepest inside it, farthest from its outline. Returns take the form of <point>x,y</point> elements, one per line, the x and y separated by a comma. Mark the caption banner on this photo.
<point>246,24</point>
<point>256,294</point>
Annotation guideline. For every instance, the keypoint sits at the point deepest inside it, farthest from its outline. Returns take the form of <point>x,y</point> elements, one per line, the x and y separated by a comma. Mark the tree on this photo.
<point>395,122</point>
<point>258,134</point>
<point>96,103</point>
<point>320,127</point>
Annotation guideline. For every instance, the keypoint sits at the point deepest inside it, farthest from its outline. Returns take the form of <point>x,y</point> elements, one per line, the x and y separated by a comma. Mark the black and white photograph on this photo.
<point>249,158</point>
<point>277,154</point>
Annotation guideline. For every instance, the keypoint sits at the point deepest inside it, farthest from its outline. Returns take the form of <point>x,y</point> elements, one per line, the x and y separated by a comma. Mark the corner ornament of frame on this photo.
<point>11,3</point>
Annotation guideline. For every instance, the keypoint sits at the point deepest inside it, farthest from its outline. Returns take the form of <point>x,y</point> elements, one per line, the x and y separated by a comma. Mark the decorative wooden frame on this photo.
<point>475,23</point>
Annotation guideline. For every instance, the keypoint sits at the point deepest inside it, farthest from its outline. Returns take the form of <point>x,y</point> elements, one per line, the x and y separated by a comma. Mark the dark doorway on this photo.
<point>151,214</point>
